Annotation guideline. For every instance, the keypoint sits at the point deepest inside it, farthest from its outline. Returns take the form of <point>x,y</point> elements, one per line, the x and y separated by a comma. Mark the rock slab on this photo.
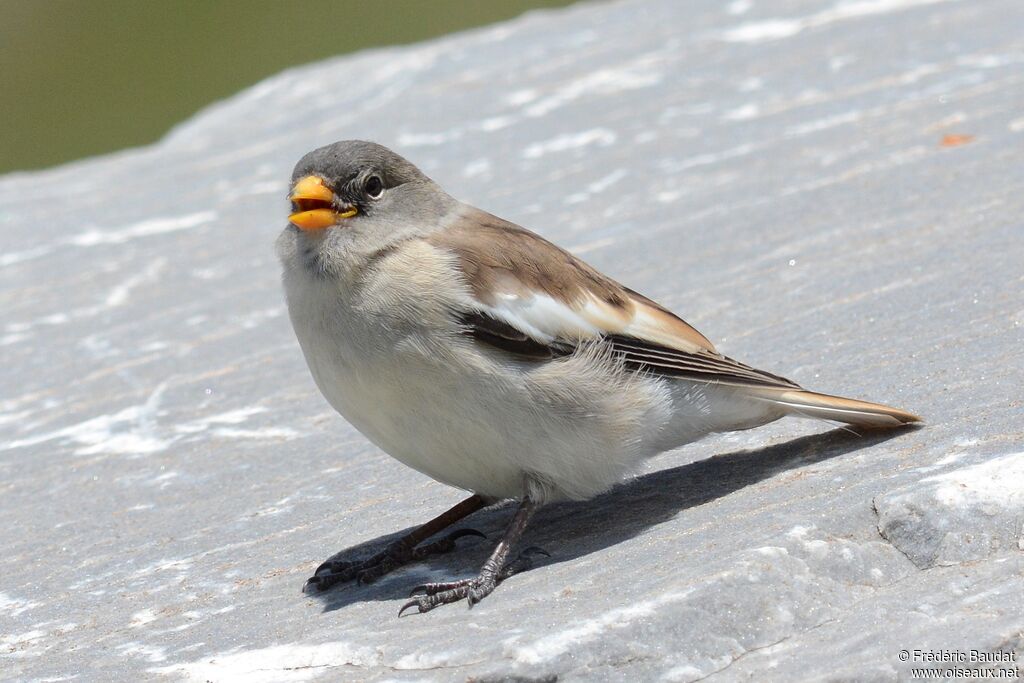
<point>829,189</point>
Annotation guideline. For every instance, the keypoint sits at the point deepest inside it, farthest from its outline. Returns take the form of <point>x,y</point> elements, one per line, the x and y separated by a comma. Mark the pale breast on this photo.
<point>385,356</point>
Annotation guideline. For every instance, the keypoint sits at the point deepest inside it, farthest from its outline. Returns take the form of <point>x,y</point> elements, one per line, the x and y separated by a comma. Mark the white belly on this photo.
<point>475,424</point>
<point>420,417</point>
<point>391,389</point>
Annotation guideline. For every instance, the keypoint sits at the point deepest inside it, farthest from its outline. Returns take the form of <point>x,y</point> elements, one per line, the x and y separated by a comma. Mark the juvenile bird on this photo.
<point>486,357</point>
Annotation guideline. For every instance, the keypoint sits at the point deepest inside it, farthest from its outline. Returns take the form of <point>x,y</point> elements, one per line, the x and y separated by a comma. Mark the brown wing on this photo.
<point>500,258</point>
<point>538,301</point>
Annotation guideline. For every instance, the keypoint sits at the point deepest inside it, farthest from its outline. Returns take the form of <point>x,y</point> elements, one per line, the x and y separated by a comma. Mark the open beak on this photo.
<point>314,205</point>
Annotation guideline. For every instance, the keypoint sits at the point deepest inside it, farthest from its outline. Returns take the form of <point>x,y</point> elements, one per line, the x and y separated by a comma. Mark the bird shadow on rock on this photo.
<point>574,529</point>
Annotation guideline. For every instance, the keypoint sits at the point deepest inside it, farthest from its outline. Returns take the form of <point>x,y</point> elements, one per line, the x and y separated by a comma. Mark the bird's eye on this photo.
<point>374,187</point>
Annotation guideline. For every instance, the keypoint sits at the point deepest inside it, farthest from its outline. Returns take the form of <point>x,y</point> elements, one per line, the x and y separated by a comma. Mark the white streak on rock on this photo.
<point>265,433</point>
<point>520,97</point>
<point>998,481</point>
<point>550,647</point>
<point>673,166</point>
<point>428,139</point>
<point>592,246</point>
<point>737,7</point>
<point>759,31</point>
<point>610,81</point>
<point>823,123</point>
<point>776,29</point>
<point>562,143</point>
<point>119,295</point>
<point>496,123</point>
<point>146,228</point>
<point>27,644</point>
<point>597,187</point>
<point>12,607</point>
<point>477,167</point>
<point>150,653</point>
<point>799,532</point>
<point>143,617</point>
<point>743,113</point>
<point>27,255</point>
<point>130,431</point>
<point>284,663</point>
<point>135,430</point>
<point>231,417</point>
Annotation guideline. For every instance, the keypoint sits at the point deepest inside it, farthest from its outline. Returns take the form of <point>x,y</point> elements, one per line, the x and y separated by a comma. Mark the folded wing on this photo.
<point>535,300</point>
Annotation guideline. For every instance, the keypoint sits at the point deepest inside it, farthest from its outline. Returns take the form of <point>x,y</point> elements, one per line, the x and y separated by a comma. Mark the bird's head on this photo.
<point>344,184</point>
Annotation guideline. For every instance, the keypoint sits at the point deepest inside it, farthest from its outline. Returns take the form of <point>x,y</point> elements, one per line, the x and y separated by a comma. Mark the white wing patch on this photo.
<point>546,319</point>
<point>542,317</point>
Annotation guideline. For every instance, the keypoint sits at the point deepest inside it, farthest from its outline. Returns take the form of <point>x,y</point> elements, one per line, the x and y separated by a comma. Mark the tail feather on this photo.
<point>803,403</point>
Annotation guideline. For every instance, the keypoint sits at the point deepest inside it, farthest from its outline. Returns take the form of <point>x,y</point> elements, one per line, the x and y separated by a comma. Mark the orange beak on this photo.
<point>314,204</point>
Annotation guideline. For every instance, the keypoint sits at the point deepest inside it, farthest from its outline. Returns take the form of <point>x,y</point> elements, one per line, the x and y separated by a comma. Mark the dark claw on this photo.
<point>442,594</point>
<point>414,591</point>
<point>411,603</point>
<point>535,550</point>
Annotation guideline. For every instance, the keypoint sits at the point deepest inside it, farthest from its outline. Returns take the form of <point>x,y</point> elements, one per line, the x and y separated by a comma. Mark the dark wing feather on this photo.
<point>638,355</point>
<point>499,334</point>
<point>706,366</point>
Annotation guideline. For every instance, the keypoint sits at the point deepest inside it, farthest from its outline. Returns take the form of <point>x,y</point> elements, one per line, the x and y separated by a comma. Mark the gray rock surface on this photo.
<point>829,189</point>
<point>969,513</point>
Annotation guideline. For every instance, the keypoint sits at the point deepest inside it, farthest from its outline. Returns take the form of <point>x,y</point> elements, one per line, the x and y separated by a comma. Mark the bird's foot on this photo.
<point>473,590</point>
<point>397,554</point>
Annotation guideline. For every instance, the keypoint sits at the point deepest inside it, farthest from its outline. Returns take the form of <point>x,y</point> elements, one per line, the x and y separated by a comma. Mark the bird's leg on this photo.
<point>496,569</point>
<point>404,550</point>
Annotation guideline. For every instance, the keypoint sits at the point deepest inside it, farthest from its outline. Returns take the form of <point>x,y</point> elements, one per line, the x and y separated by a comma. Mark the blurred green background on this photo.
<point>83,77</point>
